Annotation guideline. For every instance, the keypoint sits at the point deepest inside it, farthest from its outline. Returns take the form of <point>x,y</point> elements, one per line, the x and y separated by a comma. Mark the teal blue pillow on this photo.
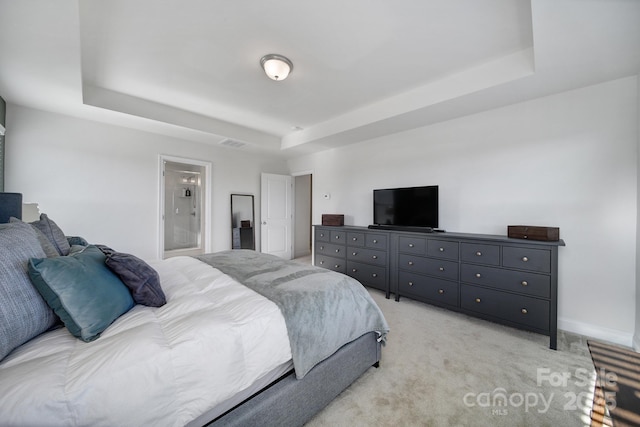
<point>82,291</point>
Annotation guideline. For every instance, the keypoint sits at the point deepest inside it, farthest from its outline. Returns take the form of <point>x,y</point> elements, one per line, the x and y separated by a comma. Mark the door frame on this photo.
<point>205,208</point>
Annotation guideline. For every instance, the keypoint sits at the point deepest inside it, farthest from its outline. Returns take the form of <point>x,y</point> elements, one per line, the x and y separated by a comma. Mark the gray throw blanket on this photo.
<point>323,310</point>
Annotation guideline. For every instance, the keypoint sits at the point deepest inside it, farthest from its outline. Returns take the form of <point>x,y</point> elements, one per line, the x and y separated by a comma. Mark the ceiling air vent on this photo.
<point>231,143</point>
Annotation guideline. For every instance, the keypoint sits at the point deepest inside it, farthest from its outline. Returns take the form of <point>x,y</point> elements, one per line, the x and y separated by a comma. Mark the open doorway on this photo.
<point>302,215</point>
<point>184,207</point>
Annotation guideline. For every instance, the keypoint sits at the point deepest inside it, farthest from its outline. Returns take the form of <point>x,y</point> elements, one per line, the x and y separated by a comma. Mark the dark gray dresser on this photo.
<point>509,281</point>
<point>356,251</point>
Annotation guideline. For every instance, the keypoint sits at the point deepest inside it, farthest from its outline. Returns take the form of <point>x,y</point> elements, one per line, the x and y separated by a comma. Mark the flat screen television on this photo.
<point>406,207</point>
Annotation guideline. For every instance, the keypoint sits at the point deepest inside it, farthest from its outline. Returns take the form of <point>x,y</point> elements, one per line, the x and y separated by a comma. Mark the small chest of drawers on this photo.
<point>357,252</point>
<point>510,283</point>
<point>330,249</point>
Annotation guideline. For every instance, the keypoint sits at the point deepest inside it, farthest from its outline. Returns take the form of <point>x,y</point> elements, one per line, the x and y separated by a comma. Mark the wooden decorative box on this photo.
<point>546,234</point>
<point>331,219</point>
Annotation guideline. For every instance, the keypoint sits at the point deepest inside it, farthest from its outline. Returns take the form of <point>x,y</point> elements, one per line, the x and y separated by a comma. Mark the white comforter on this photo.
<point>154,366</point>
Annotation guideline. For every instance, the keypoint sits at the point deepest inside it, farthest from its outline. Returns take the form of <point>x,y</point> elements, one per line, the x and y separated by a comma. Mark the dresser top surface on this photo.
<point>447,235</point>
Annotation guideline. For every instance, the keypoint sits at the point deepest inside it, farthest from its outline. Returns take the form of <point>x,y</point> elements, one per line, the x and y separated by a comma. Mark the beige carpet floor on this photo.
<point>441,368</point>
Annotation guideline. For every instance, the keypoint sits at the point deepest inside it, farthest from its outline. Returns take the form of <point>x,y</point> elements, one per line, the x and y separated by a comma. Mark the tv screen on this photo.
<point>406,207</point>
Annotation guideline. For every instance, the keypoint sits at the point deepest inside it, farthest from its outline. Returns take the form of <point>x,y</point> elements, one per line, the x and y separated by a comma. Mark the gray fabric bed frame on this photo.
<point>291,402</point>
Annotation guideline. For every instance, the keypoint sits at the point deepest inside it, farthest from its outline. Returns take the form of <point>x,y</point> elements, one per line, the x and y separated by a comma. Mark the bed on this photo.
<point>232,338</point>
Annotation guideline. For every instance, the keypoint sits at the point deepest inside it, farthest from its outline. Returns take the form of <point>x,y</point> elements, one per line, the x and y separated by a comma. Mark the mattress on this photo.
<point>153,366</point>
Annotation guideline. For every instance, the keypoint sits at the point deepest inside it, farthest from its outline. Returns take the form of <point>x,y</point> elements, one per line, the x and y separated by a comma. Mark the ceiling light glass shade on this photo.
<point>277,67</point>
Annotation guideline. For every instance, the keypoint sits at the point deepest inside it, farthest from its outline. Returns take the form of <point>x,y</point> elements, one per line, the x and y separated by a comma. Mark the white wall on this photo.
<point>101,181</point>
<point>568,160</point>
<point>636,337</point>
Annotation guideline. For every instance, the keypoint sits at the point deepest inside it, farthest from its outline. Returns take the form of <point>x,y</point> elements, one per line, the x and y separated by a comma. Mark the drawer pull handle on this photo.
<point>337,237</point>
<point>322,248</point>
<point>354,270</point>
<point>355,239</point>
<point>410,245</point>
<point>375,257</point>
<point>441,269</point>
<point>478,253</point>
<point>410,263</point>
<point>374,275</point>
<point>441,291</point>
<point>478,300</point>
<point>337,266</point>
<point>375,241</point>
<point>355,253</point>
<point>410,283</point>
<point>525,259</point>
<point>441,249</point>
<point>321,262</point>
<point>524,283</point>
<point>524,311</point>
<point>321,234</point>
<point>337,250</point>
<point>478,275</point>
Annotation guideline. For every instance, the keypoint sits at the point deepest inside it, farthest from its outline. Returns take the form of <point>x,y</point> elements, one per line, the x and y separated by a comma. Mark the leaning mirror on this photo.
<point>242,222</point>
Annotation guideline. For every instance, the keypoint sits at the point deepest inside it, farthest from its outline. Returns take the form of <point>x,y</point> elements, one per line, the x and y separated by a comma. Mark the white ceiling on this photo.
<point>362,68</point>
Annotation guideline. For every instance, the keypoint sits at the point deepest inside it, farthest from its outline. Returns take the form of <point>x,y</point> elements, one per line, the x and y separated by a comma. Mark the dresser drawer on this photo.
<point>322,235</point>
<point>442,249</point>
<point>510,280</point>
<point>526,311</point>
<point>338,237</point>
<point>527,258</point>
<point>335,264</point>
<point>369,256</point>
<point>436,267</point>
<point>376,241</point>
<point>355,239</point>
<point>425,287</point>
<point>480,254</point>
<point>370,275</point>
<point>412,245</point>
<point>330,249</point>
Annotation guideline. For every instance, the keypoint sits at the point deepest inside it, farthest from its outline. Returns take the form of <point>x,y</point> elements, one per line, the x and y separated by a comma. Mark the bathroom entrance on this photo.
<point>184,207</point>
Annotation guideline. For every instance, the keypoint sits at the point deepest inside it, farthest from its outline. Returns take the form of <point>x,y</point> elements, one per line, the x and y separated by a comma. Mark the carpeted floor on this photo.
<point>441,368</point>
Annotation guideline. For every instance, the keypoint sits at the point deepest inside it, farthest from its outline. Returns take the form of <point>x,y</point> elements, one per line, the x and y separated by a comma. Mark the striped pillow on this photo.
<point>24,314</point>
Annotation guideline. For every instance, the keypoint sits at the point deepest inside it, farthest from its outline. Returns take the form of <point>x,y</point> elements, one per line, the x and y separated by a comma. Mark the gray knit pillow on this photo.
<point>48,248</point>
<point>53,233</point>
<point>24,314</point>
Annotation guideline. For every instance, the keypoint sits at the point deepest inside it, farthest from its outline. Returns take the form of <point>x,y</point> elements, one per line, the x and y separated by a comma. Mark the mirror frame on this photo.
<point>252,224</point>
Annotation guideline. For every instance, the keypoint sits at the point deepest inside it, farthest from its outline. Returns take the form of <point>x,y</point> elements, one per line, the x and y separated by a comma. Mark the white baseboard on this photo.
<point>598,332</point>
<point>636,343</point>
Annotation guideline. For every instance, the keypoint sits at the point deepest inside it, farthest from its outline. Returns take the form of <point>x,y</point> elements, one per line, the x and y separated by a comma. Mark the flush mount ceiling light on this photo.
<point>276,67</point>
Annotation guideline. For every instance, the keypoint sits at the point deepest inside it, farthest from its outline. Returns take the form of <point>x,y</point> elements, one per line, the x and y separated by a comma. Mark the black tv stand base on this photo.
<point>403,228</point>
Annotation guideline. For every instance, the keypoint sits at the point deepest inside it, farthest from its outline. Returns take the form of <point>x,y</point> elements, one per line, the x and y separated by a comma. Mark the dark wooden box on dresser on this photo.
<point>505,280</point>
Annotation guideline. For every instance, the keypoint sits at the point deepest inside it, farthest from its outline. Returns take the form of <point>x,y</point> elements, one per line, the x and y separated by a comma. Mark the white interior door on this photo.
<point>276,215</point>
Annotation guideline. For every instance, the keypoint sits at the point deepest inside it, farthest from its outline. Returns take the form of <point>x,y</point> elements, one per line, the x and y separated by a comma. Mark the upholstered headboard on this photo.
<point>10,206</point>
